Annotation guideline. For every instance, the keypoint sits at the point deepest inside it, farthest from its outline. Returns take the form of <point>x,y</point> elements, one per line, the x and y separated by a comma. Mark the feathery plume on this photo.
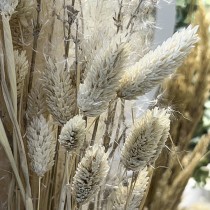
<point>60,92</point>
<point>102,78</point>
<point>146,139</point>
<point>120,194</point>
<point>41,145</point>
<point>21,67</point>
<point>73,134</point>
<point>36,104</point>
<point>8,6</point>
<point>157,65</point>
<point>90,174</point>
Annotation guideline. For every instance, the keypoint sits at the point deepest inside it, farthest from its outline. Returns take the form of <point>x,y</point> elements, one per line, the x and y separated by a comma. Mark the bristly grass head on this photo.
<point>41,145</point>
<point>73,134</point>
<point>90,174</point>
<point>156,65</point>
<point>146,139</point>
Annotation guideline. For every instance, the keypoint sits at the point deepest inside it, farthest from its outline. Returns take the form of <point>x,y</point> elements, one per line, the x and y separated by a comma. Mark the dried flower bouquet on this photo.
<point>68,69</point>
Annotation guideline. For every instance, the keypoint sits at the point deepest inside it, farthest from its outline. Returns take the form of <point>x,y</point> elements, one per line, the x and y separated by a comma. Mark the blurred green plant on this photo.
<point>184,12</point>
<point>201,173</point>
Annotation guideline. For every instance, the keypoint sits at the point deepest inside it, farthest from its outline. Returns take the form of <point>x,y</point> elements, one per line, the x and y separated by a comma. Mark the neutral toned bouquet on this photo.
<point>68,72</point>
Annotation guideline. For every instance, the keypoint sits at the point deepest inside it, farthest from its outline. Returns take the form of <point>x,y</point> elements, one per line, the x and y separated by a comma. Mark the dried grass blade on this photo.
<point>24,164</point>
<point>9,56</point>
<point>5,144</point>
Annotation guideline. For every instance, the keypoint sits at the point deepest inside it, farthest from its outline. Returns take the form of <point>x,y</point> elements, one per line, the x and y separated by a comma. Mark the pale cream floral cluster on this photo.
<point>90,174</point>
<point>146,139</point>
<point>41,145</point>
<point>158,64</point>
<point>73,134</point>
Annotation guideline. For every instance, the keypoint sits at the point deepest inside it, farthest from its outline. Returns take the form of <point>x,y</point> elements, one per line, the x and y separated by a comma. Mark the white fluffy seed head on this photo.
<point>59,92</point>
<point>73,134</point>
<point>158,64</point>
<point>146,139</point>
<point>8,6</point>
<point>102,78</point>
<point>41,145</point>
<point>90,174</point>
<point>120,194</point>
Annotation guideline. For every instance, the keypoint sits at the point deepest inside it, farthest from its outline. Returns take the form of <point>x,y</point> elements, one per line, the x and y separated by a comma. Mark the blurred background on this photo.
<point>182,173</point>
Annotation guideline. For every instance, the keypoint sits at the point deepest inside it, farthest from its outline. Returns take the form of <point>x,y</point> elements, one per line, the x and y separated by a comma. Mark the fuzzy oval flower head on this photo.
<point>146,139</point>
<point>90,174</point>
<point>59,91</point>
<point>41,145</point>
<point>102,80</point>
<point>8,6</point>
<point>156,65</point>
<point>73,134</point>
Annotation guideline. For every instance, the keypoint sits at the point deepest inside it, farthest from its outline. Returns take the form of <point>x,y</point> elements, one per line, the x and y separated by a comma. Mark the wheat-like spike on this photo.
<point>120,194</point>
<point>73,134</point>
<point>8,6</point>
<point>21,23</point>
<point>36,104</point>
<point>158,64</point>
<point>102,78</point>
<point>41,145</point>
<point>146,139</point>
<point>21,67</point>
<point>90,174</point>
<point>60,93</point>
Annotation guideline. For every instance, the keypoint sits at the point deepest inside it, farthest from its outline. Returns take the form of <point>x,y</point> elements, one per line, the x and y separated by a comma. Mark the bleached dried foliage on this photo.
<point>21,67</point>
<point>84,58</point>
<point>90,174</point>
<point>41,145</point>
<point>73,134</point>
<point>121,193</point>
<point>59,91</point>
<point>102,79</point>
<point>157,64</point>
<point>146,139</point>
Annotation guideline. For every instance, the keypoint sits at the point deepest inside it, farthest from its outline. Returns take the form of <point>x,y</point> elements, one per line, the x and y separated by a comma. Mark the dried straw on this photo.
<point>90,174</point>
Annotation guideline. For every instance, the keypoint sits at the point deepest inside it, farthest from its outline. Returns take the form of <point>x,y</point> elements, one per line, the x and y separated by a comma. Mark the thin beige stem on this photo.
<point>132,185</point>
<point>95,130</point>
<point>134,14</point>
<point>67,167</point>
<point>36,33</point>
<point>68,186</point>
<point>65,181</point>
<point>39,193</point>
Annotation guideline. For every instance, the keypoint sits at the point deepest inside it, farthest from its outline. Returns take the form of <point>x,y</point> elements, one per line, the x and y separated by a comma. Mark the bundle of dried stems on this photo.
<point>68,71</point>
